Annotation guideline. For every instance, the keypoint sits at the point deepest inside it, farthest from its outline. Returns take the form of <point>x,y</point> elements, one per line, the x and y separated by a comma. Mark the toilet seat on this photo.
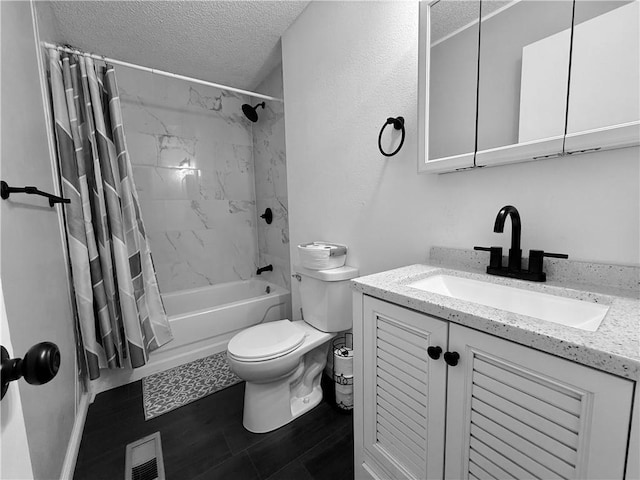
<point>266,341</point>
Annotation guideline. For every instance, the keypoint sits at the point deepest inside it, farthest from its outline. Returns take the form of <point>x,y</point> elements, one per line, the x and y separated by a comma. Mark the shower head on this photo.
<point>250,112</point>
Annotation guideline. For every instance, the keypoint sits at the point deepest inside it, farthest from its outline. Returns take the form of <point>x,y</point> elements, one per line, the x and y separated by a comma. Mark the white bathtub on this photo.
<point>203,320</point>
<point>206,318</point>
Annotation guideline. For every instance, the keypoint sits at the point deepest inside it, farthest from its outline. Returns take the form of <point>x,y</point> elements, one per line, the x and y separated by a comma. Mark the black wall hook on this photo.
<point>398,124</point>
<point>6,190</point>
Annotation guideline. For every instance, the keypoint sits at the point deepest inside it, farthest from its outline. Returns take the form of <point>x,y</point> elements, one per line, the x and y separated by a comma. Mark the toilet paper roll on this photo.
<point>344,396</point>
<point>343,361</point>
<point>343,379</point>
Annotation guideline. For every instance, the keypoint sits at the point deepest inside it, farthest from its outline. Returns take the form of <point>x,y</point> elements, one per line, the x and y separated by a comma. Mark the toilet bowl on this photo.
<point>282,363</point>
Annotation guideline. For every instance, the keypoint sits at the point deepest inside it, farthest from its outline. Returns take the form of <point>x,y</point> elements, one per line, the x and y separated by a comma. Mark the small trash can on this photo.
<point>343,372</point>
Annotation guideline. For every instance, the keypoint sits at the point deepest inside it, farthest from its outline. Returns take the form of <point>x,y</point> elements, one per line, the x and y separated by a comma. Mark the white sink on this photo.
<point>561,310</point>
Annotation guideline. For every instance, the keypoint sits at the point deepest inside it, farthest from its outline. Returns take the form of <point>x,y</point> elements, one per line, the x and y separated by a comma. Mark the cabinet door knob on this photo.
<point>434,352</point>
<point>451,358</point>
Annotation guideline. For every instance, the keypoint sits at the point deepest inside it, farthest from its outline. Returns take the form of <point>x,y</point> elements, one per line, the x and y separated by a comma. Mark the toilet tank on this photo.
<point>326,297</point>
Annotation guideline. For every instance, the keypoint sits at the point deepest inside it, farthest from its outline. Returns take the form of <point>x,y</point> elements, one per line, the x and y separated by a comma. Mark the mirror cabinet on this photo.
<point>522,107</point>
<point>452,82</point>
<point>604,101</point>
<point>513,81</point>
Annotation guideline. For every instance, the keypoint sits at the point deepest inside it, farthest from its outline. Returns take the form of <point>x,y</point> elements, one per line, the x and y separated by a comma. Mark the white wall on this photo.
<point>586,206</point>
<point>347,67</point>
<point>32,262</point>
<point>48,25</point>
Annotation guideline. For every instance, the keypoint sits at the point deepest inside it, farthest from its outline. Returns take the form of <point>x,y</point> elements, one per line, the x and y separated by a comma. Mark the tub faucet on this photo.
<point>268,268</point>
<point>515,252</point>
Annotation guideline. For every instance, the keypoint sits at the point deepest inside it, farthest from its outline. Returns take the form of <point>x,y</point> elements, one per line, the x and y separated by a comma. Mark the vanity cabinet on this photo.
<point>404,392</point>
<point>501,411</point>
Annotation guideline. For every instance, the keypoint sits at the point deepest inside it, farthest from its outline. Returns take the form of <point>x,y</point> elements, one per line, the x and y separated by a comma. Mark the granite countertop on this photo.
<point>614,347</point>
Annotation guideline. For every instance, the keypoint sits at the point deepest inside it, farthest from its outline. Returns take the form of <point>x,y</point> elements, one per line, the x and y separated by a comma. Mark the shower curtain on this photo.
<point>119,310</point>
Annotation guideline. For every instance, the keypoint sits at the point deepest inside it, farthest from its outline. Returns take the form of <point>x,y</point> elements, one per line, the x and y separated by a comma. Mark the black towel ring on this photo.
<point>398,123</point>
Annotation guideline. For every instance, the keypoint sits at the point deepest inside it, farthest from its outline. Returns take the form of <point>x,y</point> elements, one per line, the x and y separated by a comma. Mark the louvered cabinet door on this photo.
<point>515,412</point>
<point>404,392</point>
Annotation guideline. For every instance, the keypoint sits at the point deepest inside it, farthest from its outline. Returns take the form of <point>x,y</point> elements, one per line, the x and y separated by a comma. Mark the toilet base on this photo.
<point>269,406</point>
<point>304,404</point>
<point>265,417</point>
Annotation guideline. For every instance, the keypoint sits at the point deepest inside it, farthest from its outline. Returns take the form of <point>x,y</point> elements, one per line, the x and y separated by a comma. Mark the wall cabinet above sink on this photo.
<point>522,109</point>
<point>526,80</point>
<point>452,84</point>
<point>604,97</point>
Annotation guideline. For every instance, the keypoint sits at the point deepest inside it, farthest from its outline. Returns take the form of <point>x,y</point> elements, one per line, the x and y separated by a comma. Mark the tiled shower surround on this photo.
<point>271,182</point>
<point>192,152</point>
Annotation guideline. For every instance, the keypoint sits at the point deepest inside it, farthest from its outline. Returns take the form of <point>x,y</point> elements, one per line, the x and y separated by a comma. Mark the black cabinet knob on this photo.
<point>451,358</point>
<point>434,352</point>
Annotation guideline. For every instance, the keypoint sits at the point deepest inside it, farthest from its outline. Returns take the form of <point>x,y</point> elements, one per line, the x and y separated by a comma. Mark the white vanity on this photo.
<point>448,388</point>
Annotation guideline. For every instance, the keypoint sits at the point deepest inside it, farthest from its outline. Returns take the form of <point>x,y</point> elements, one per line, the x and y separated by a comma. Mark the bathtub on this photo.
<point>203,320</point>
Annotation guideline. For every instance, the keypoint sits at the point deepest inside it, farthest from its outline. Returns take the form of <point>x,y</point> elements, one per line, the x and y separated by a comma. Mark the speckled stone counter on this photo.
<point>613,348</point>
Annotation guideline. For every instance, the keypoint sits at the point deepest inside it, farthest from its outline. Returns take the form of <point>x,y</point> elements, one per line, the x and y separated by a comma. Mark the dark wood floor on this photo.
<point>206,440</point>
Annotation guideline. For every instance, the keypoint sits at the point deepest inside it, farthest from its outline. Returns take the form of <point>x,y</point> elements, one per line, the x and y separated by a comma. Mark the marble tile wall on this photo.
<point>271,182</point>
<point>192,154</point>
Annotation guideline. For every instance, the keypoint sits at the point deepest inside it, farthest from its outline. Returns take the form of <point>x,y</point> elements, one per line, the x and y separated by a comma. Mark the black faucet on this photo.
<point>515,252</point>
<point>268,268</point>
<point>514,266</point>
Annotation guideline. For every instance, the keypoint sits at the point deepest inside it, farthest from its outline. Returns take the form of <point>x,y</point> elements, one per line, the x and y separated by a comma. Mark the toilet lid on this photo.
<point>266,341</point>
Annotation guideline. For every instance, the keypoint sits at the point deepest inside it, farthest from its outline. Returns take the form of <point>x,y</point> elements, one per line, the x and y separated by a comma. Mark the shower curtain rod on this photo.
<point>159,72</point>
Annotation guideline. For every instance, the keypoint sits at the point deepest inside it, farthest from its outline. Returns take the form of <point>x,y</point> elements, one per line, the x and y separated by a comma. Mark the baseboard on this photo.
<point>69,465</point>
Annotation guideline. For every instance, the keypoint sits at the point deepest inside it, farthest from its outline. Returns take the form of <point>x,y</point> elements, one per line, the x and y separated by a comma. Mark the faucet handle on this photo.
<point>555,255</point>
<point>536,257</point>
<point>495,259</point>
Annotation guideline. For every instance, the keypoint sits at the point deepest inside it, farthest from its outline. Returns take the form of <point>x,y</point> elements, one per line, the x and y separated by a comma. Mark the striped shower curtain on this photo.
<point>119,310</point>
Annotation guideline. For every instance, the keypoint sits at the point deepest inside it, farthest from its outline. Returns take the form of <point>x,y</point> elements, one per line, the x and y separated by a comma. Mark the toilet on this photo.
<point>282,361</point>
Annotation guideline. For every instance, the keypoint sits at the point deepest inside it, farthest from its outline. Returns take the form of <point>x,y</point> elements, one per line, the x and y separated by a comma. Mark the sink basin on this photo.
<point>561,310</point>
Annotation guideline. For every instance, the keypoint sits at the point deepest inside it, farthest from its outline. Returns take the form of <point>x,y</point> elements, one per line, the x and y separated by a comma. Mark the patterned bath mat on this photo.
<point>171,389</point>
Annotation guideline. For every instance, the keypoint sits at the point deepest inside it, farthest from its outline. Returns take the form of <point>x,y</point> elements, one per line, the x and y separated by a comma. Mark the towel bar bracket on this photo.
<point>6,190</point>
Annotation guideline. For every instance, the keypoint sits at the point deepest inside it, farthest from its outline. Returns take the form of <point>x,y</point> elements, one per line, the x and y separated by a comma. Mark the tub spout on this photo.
<point>268,268</point>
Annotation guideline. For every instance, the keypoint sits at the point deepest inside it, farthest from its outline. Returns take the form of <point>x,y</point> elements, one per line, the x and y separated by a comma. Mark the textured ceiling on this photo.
<point>447,16</point>
<point>235,43</point>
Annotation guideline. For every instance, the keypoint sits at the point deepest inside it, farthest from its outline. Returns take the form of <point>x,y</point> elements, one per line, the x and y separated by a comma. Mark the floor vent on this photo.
<point>144,459</point>
<point>146,471</point>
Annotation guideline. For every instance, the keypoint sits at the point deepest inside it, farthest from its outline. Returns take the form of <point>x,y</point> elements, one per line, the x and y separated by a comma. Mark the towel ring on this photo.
<point>398,124</point>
